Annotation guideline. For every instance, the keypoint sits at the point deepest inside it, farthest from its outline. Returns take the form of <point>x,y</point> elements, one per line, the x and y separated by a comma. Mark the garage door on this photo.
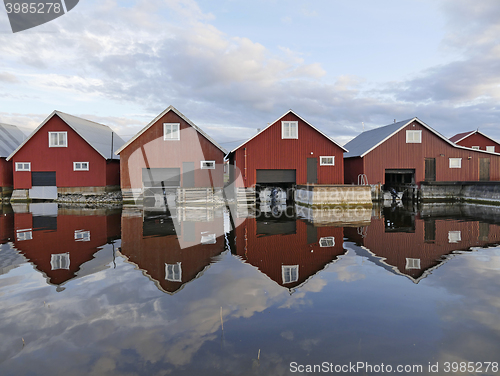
<point>153,177</point>
<point>275,176</point>
<point>43,178</point>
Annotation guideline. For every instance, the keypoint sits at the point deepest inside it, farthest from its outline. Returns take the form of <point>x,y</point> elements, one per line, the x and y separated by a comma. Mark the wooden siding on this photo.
<point>353,167</point>
<point>395,153</point>
<point>60,159</point>
<point>269,151</point>
<point>5,173</point>
<point>149,150</point>
<point>477,139</point>
<point>269,254</point>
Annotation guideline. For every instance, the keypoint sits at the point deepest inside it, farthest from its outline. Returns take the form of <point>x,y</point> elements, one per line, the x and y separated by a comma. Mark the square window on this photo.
<point>490,148</point>
<point>207,165</point>
<point>208,239</point>
<point>475,147</point>
<point>60,261</point>
<point>455,162</point>
<point>58,139</point>
<point>80,166</point>
<point>289,129</point>
<point>327,241</point>
<point>26,234</point>
<point>82,236</point>
<point>413,137</point>
<point>327,161</point>
<point>171,131</point>
<point>454,236</point>
<point>173,272</point>
<point>23,166</point>
<point>412,263</point>
<point>290,273</point>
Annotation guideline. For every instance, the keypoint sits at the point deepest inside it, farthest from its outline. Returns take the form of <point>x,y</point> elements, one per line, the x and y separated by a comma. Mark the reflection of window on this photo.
<point>289,129</point>
<point>208,165</point>
<point>23,166</point>
<point>412,263</point>
<point>290,273</point>
<point>455,162</point>
<point>454,236</point>
<point>208,239</point>
<point>327,241</point>
<point>59,261</point>
<point>490,148</point>
<point>171,131</point>
<point>173,272</point>
<point>80,166</point>
<point>58,139</point>
<point>25,234</point>
<point>327,161</point>
<point>82,236</point>
<point>475,147</point>
<point>413,137</point>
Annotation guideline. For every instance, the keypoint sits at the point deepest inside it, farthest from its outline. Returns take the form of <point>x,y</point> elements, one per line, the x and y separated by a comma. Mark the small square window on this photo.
<point>454,236</point>
<point>208,238</point>
<point>289,129</point>
<point>475,147</point>
<point>60,261</point>
<point>80,166</point>
<point>23,166</point>
<point>412,263</point>
<point>173,272</point>
<point>207,165</point>
<point>82,236</point>
<point>490,148</point>
<point>327,241</point>
<point>413,137</point>
<point>26,234</point>
<point>290,273</point>
<point>327,161</point>
<point>171,131</point>
<point>455,162</point>
<point>58,139</point>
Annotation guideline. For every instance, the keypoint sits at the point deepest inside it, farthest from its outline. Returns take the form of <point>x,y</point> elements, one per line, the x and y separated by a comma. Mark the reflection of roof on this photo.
<point>97,135</point>
<point>10,138</point>
<point>173,109</point>
<point>9,258</point>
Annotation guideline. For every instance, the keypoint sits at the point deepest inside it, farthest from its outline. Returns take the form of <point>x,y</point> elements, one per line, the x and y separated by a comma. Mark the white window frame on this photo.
<point>208,238</point>
<point>24,234</point>
<point>476,147</point>
<point>454,236</point>
<point>212,166</point>
<point>60,261</point>
<point>21,166</point>
<point>327,241</point>
<point>287,273</point>
<point>490,148</point>
<point>177,132</point>
<point>455,162</point>
<point>59,145</point>
<point>411,139</point>
<point>322,163</point>
<point>171,274</point>
<point>284,125</point>
<point>81,168</point>
<point>412,263</point>
<point>82,236</point>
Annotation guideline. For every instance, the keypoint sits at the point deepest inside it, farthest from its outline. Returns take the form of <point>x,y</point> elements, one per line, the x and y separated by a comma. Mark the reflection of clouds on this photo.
<point>347,268</point>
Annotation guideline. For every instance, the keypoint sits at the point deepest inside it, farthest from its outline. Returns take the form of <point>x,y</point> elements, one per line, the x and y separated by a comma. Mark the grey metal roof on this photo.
<point>10,138</point>
<point>97,135</point>
<point>368,140</point>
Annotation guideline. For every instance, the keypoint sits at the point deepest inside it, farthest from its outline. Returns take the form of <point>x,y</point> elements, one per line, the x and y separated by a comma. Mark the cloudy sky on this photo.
<point>233,66</point>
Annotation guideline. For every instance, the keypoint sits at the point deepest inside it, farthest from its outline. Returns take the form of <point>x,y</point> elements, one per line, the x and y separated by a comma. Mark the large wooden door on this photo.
<point>430,169</point>
<point>188,174</point>
<point>484,169</point>
<point>312,170</point>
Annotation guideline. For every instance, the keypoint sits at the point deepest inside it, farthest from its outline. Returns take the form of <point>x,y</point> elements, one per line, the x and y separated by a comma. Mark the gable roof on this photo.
<point>173,109</point>
<point>10,138</point>
<point>462,136</point>
<point>97,135</point>
<point>286,113</point>
<point>367,141</point>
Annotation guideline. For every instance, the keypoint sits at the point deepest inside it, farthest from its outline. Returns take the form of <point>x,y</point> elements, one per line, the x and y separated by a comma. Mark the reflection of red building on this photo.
<point>153,243</point>
<point>59,245</point>
<point>288,251</point>
<point>6,224</point>
<point>417,251</point>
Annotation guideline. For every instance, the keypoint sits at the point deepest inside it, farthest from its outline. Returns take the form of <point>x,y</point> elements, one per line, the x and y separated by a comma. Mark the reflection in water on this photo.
<point>229,307</point>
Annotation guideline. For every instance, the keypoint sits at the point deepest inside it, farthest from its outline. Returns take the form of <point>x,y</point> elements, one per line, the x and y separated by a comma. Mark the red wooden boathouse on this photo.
<point>288,151</point>
<point>476,140</point>
<point>66,154</point>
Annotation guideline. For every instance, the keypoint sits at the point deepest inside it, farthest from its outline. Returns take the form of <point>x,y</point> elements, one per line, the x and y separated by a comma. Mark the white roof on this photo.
<point>171,108</point>
<point>10,138</point>
<point>97,135</point>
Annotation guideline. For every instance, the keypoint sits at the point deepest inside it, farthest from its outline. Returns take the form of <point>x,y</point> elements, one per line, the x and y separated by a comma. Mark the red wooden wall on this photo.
<point>477,139</point>
<point>269,151</point>
<point>5,173</point>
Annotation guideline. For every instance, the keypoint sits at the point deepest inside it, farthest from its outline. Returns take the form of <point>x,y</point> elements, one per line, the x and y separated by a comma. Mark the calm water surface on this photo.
<point>144,292</point>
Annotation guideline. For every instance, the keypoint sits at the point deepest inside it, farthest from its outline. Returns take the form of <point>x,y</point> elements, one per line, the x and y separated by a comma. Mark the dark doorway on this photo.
<point>430,169</point>
<point>312,170</point>
<point>188,174</point>
<point>484,169</point>
<point>275,176</point>
<point>43,178</point>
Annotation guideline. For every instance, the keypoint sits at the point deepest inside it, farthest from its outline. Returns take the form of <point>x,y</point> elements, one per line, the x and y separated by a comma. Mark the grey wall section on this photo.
<point>461,191</point>
<point>275,176</point>
<point>153,177</point>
